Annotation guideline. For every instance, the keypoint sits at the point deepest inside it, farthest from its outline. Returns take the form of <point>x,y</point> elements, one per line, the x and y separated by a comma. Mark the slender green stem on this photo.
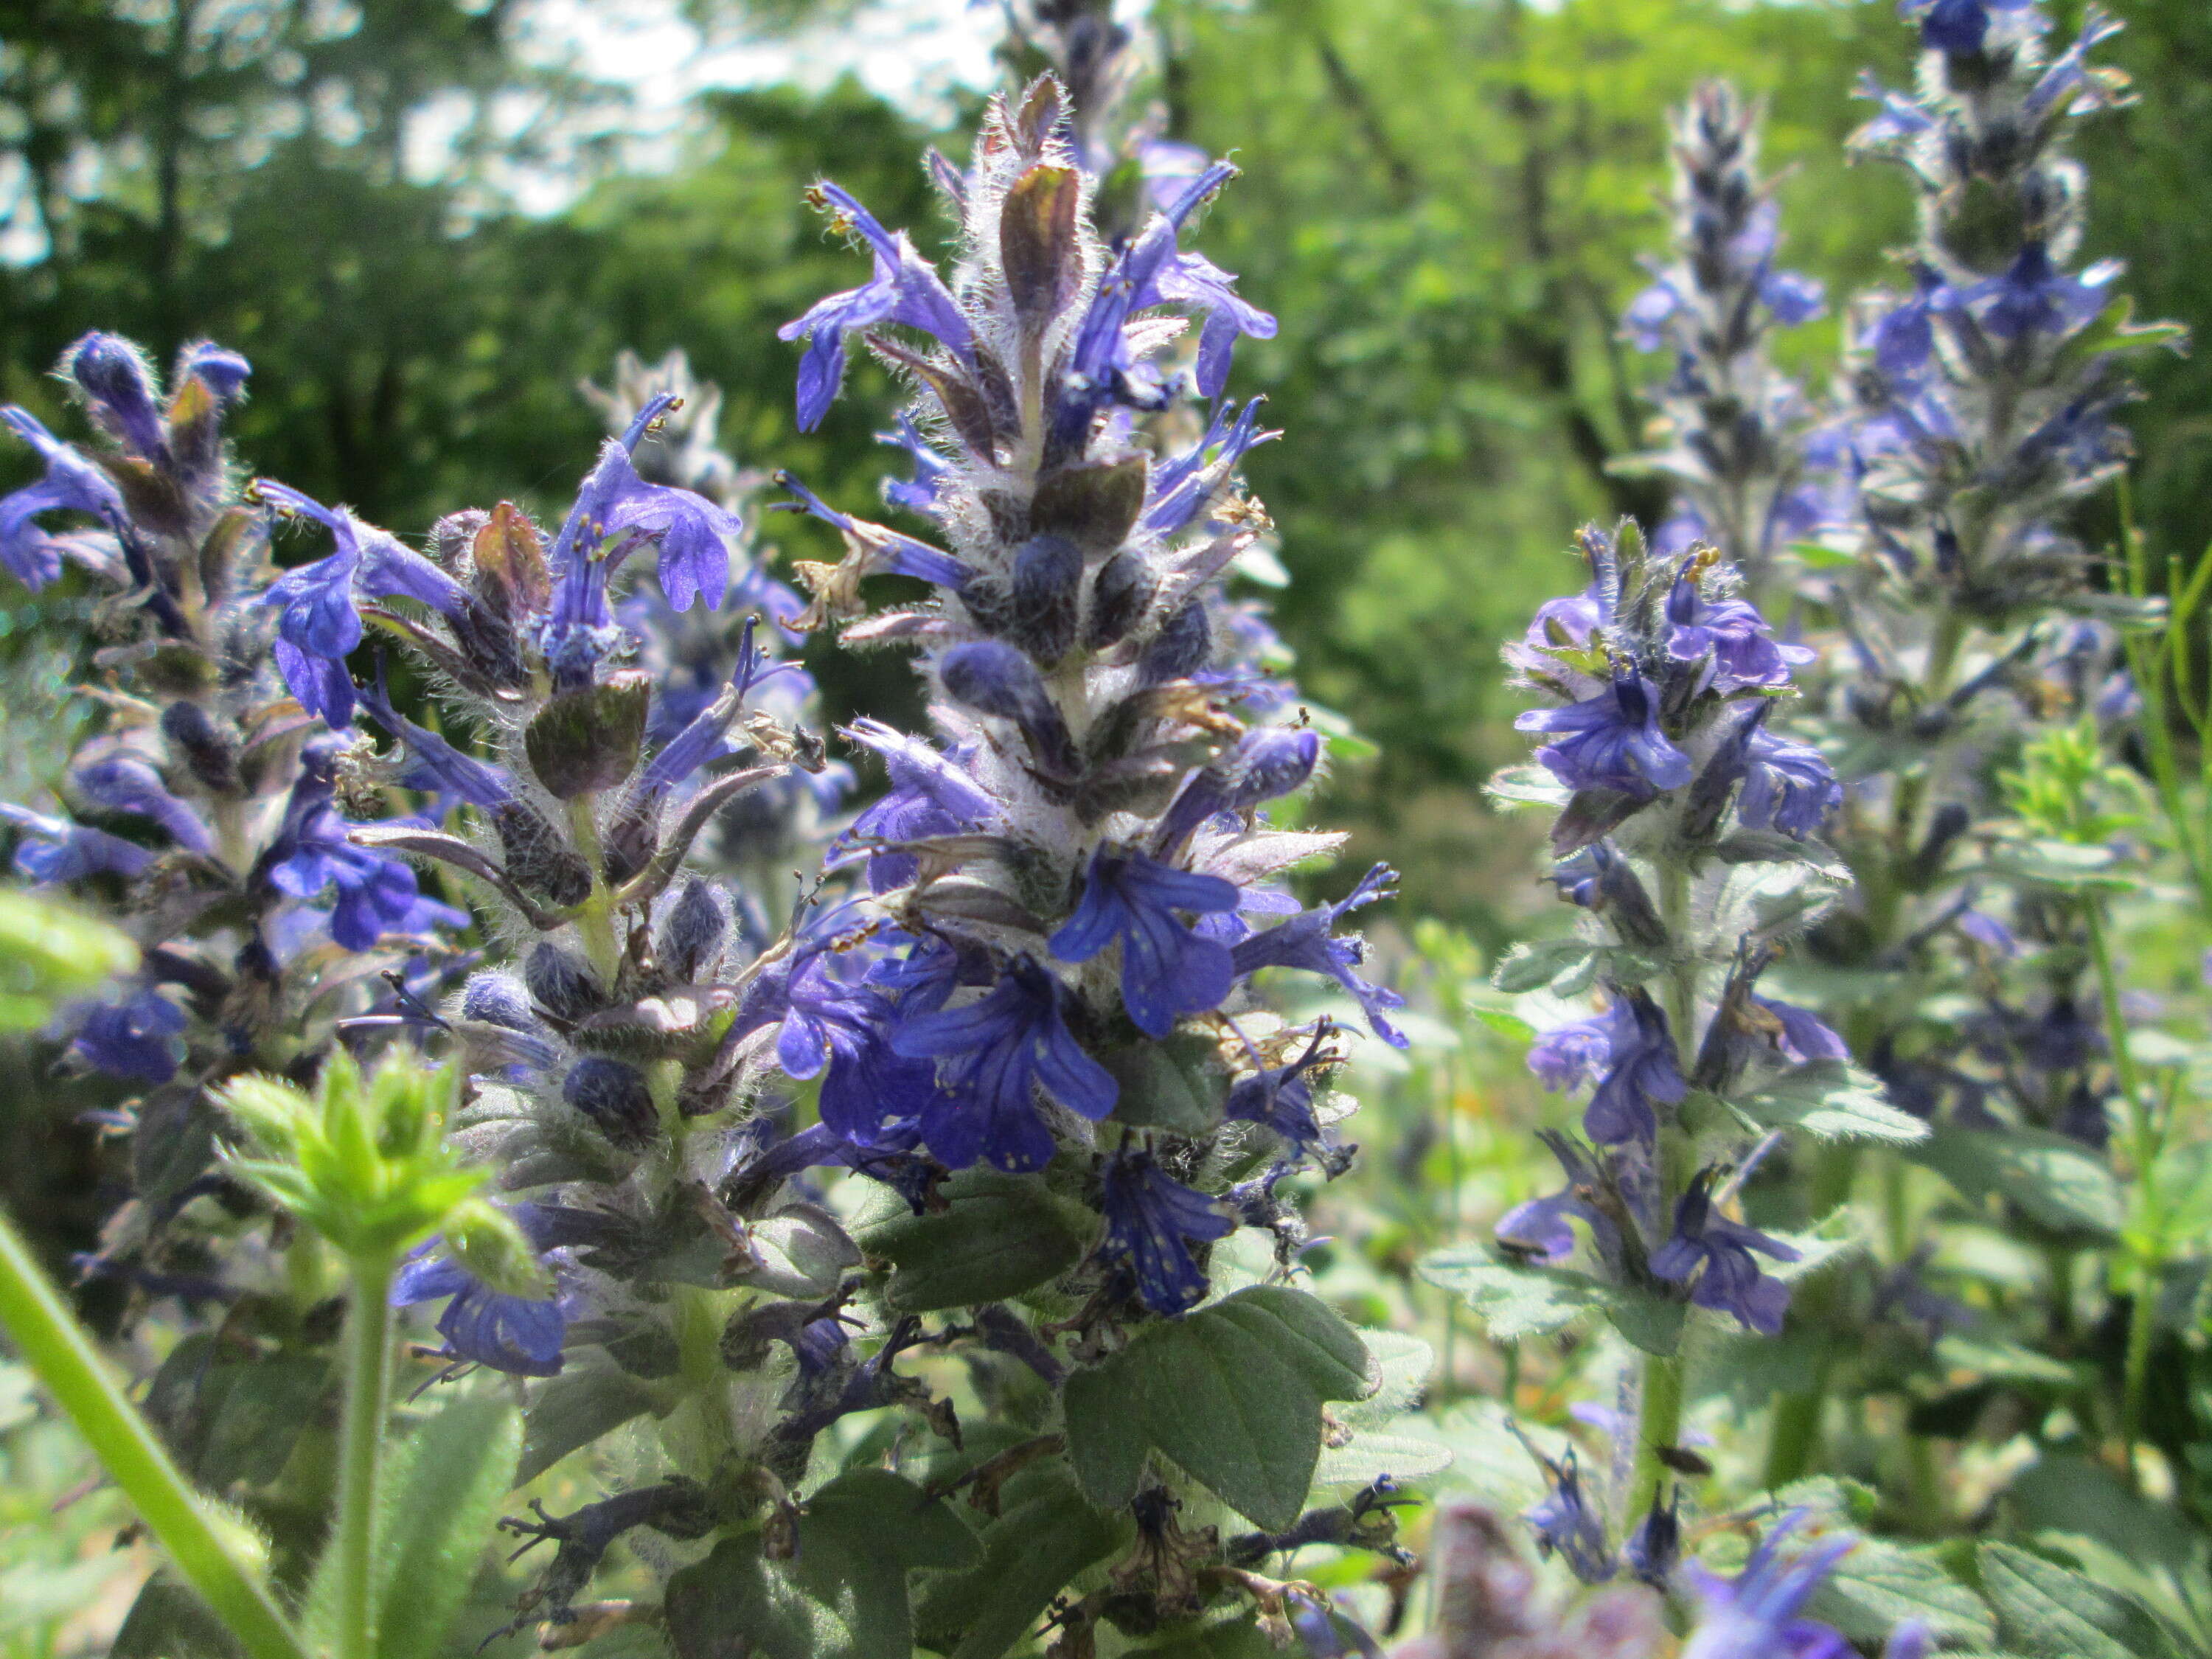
<point>2147,1230</point>
<point>361,1453</point>
<point>206,1551</point>
<point>595,917</point>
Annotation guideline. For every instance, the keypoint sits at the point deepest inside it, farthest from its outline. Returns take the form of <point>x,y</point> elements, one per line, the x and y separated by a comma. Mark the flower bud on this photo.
<point>1118,597</point>
<point>453,536</point>
<point>1181,648</point>
<point>562,985</point>
<point>120,391</point>
<point>537,858</point>
<point>994,678</point>
<point>695,930</point>
<point>616,1098</point>
<point>1047,571</point>
<point>209,751</point>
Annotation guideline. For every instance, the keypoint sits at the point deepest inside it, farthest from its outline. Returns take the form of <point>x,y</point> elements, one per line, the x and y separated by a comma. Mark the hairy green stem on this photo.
<point>1660,1387</point>
<point>1658,1426</point>
<point>361,1453</point>
<point>209,1551</point>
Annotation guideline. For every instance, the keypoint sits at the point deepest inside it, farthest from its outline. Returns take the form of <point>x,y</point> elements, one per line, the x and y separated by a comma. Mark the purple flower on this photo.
<point>1645,320</point>
<point>1792,296</point>
<point>317,625</point>
<point>993,1055</point>
<point>518,1334</point>
<point>1540,1224</point>
<point>1642,1074</point>
<point>1904,337</point>
<point>377,893</point>
<point>1265,763</point>
<point>1731,1282</point>
<point>1805,1036</point>
<point>1179,487</point>
<point>1733,633</point>
<point>1152,271</point>
<point>438,764</point>
<point>905,288</point>
<point>222,372</point>
<point>1307,941</point>
<point>1151,1221</point>
<point>1167,970</point>
<point>1754,1614</point>
<point>2033,297</point>
<point>692,533</point>
<point>51,849</point>
<point>1568,1056</point>
<point>1281,1098</point>
<point>135,1038</point>
<point>130,783</point>
<point>919,493</point>
<point>930,795</point>
<point>889,553</point>
<point>837,1030</point>
<point>1787,787</point>
<point>1156,272</point>
<point>1611,741</point>
<point>72,484</point>
<point>1566,1522</point>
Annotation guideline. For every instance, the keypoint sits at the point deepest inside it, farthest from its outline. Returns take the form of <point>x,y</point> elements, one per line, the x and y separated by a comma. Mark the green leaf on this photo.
<point>999,1235</point>
<point>842,1594</point>
<point>1653,1323</point>
<point>1167,1086</point>
<point>1235,1638</point>
<point>802,1251</point>
<point>1512,787</point>
<point>736,1601</point>
<point>2068,865</point>
<point>572,1410</point>
<point>1403,1366</point>
<point>1031,1553</point>
<point>458,1468</point>
<point>1772,846</point>
<point>1880,1584</point>
<point>1106,1438</point>
<point>2047,1611</point>
<point>1516,1299</point>
<point>1231,1393</point>
<point>1818,555</point>
<point>2059,1184</point>
<point>253,1415</point>
<point>1559,963</point>
<point>1370,1454</point>
<point>1505,1024</point>
<point>888,1512</point>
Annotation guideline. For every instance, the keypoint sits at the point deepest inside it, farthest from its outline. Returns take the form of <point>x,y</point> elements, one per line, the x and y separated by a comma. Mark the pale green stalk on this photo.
<point>205,1548</point>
